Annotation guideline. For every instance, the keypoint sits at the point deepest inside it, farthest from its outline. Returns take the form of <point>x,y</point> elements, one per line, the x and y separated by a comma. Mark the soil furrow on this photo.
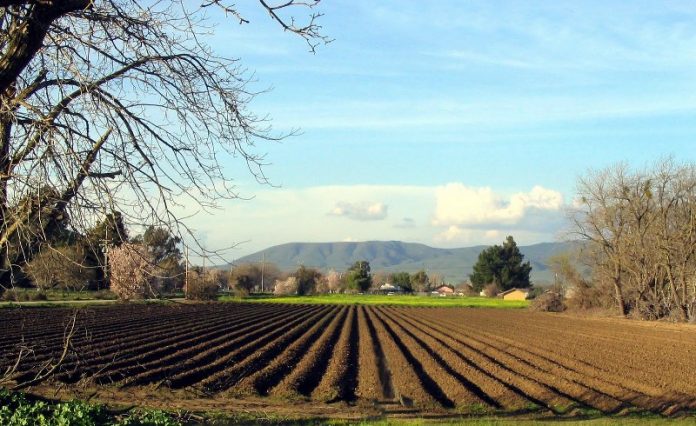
<point>339,380</point>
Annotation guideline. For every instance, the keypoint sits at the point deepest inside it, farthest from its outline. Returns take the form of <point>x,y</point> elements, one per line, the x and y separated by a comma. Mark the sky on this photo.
<point>452,123</point>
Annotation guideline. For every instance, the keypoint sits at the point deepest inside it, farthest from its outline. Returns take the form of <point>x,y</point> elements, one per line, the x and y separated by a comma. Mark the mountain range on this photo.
<point>454,264</point>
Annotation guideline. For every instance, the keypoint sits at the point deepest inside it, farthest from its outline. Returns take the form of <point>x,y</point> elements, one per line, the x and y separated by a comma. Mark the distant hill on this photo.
<point>455,264</point>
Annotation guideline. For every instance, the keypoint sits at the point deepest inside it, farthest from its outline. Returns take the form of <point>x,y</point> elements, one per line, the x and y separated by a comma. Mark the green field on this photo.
<point>379,299</point>
<point>85,298</point>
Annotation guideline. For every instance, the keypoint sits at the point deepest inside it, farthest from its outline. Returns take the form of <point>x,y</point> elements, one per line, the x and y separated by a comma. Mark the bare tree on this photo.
<point>119,105</point>
<point>641,232</point>
<point>600,220</point>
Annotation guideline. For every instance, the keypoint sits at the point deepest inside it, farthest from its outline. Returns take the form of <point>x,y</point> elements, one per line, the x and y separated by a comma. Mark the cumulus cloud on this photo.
<point>462,206</point>
<point>459,235</point>
<point>453,215</point>
<point>360,211</point>
<point>452,233</point>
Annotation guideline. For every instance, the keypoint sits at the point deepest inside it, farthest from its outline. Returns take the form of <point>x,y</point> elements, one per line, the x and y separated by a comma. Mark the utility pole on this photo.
<point>186,268</point>
<point>106,249</point>
<point>263,268</point>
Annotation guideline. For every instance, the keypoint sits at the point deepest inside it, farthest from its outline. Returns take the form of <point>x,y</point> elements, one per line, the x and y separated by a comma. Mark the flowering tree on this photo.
<point>286,286</point>
<point>131,272</point>
<point>334,281</point>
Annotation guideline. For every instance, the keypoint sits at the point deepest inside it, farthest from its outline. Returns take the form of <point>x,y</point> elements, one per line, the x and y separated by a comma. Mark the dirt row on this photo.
<point>419,359</point>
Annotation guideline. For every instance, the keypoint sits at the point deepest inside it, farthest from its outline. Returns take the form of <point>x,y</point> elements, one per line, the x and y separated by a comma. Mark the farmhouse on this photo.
<point>444,290</point>
<point>389,288</point>
<point>515,294</point>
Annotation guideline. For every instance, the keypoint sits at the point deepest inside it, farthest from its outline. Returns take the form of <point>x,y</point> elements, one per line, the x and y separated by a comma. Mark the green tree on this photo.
<point>163,248</point>
<point>64,267</point>
<point>502,266</point>
<point>160,243</point>
<point>248,277</point>
<point>307,279</point>
<point>420,281</point>
<point>110,231</point>
<point>403,280</point>
<point>358,277</point>
<point>244,277</point>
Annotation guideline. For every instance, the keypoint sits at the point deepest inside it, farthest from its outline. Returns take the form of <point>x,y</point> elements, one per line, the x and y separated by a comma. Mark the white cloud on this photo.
<point>492,234</point>
<point>461,205</point>
<point>360,211</point>
<point>452,233</point>
<point>458,236</point>
<point>454,215</point>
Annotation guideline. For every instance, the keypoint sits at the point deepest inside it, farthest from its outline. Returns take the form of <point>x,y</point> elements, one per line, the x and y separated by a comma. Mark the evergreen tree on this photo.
<point>358,277</point>
<point>502,266</point>
<point>110,231</point>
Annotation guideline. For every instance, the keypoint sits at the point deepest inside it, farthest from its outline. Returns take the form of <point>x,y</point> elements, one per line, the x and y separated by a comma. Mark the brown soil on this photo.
<point>357,362</point>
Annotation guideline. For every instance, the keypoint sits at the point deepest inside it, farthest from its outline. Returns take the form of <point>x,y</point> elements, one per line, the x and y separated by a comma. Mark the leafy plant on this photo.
<point>17,409</point>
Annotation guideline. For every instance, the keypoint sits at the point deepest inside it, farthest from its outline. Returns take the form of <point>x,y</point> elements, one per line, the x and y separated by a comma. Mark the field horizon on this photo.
<point>455,264</point>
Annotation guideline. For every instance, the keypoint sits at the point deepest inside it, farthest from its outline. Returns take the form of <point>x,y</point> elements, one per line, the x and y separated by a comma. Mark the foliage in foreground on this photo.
<point>16,409</point>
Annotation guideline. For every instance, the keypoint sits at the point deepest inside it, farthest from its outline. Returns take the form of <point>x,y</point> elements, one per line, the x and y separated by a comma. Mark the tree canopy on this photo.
<point>358,277</point>
<point>307,279</point>
<point>403,280</point>
<point>502,266</point>
<point>420,281</point>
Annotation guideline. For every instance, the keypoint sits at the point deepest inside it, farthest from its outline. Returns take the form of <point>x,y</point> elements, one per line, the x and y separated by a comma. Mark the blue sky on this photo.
<point>453,123</point>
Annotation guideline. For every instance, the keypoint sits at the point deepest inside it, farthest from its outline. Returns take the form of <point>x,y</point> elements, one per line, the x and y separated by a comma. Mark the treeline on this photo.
<point>256,277</point>
<point>640,232</point>
<point>101,257</point>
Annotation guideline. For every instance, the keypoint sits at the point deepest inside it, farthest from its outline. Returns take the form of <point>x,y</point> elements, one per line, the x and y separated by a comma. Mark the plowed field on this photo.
<point>403,360</point>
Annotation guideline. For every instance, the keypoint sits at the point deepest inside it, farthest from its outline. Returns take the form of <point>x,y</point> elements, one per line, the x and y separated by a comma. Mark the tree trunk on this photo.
<point>5,132</point>
<point>623,309</point>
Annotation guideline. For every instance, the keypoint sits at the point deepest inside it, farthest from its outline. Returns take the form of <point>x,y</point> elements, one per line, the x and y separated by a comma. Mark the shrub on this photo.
<point>583,295</point>
<point>104,295</point>
<point>63,267</point>
<point>10,295</point>
<point>203,285</point>
<point>491,290</point>
<point>548,302</point>
<point>535,292</point>
<point>131,272</point>
<point>15,295</point>
<point>38,296</point>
